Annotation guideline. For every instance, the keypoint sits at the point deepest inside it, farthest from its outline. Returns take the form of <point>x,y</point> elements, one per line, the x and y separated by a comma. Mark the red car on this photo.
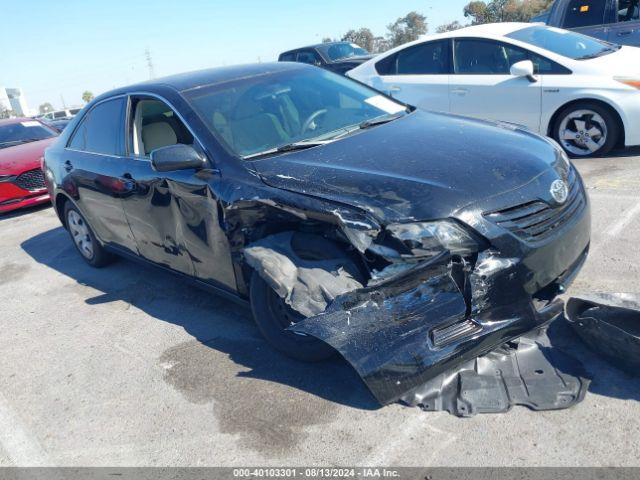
<point>22,145</point>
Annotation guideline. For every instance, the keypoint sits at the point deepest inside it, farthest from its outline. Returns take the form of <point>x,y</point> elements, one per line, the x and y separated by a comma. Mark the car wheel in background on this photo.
<point>586,130</point>
<point>84,239</point>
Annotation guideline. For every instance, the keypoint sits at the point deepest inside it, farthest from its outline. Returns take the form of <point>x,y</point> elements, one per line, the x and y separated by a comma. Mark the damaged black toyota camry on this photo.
<point>408,241</point>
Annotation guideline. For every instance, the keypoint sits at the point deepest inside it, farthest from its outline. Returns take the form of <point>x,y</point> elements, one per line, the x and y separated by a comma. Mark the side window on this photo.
<point>430,58</point>
<point>544,66</point>
<point>482,57</point>
<point>308,56</point>
<point>426,59</point>
<point>628,10</point>
<point>583,13</point>
<point>288,57</point>
<point>154,125</point>
<point>100,130</point>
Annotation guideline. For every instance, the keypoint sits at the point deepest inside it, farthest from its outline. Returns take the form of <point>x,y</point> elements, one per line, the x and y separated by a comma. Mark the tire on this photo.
<point>83,238</point>
<point>272,315</point>
<point>586,129</point>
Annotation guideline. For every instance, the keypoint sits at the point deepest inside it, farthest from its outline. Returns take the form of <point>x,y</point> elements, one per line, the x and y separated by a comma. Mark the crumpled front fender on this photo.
<point>416,325</point>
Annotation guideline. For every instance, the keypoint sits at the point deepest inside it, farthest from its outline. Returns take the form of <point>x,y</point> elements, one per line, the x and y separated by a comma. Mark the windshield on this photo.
<point>265,112</point>
<point>562,42</point>
<point>338,51</point>
<point>23,132</point>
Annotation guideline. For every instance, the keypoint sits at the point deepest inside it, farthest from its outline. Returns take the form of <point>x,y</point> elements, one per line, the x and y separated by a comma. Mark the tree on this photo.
<point>45,107</point>
<point>327,40</point>
<point>362,37</point>
<point>504,10</point>
<point>380,45</point>
<point>407,29</point>
<point>87,96</point>
<point>6,113</point>
<point>449,27</point>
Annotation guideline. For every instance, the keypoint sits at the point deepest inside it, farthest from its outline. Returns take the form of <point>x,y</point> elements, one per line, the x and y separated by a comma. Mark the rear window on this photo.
<point>583,13</point>
<point>628,10</point>
<point>431,58</point>
<point>100,130</point>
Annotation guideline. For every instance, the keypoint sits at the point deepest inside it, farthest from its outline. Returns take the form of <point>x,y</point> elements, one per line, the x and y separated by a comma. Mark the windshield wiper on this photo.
<point>380,120</point>
<point>602,52</point>
<point>289,147</point>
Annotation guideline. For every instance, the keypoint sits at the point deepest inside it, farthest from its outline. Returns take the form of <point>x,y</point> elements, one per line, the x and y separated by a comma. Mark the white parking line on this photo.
<point>618,226</point>
<point>19,445</point>
<point>386,453</point>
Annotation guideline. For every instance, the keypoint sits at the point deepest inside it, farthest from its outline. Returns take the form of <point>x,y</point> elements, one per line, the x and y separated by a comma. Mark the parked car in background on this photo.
<point>581,91</point>
<point>338,57</point>
<point>65,114</point>
<point>60,124</point>
<point>288,186</point>
<point>616,21</point>
<point>22,145</point>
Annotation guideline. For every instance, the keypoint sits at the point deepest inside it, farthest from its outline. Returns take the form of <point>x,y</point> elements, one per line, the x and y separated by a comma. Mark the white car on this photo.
<point>583,92</point>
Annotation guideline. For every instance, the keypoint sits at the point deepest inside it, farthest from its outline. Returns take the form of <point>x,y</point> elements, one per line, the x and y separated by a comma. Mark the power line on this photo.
<point>152,73</point>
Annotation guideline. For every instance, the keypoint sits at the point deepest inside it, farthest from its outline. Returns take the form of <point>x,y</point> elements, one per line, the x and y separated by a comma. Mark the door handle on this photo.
<point>128,184</point>
<point>626,32</point>
<point>68,166</point>
<point>460,91</point>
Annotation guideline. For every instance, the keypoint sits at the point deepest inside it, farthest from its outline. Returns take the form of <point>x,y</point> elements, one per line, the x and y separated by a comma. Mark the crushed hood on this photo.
<point>422,166</point>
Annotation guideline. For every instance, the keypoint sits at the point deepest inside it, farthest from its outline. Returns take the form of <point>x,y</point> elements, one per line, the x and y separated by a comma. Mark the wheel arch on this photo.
<point>602,103</point>
<point>60,201</point>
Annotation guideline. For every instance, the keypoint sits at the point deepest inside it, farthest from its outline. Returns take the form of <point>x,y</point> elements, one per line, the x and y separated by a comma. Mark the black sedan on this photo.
<point>408,241</point>
<point>337,57</point>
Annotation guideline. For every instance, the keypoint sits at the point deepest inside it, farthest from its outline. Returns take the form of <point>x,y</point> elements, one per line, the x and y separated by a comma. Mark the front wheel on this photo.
<point>272,316</point>
<point>586,130</point>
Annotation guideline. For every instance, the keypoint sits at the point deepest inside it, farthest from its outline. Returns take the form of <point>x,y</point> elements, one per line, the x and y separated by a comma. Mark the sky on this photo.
<point>56,49</point>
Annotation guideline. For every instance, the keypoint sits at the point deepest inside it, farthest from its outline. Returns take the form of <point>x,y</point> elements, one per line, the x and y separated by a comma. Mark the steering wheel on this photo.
<point>311,118</point>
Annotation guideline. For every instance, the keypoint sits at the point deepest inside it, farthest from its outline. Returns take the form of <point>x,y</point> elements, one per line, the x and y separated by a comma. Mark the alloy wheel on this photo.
<point>583,132</point>
<point>80,233</point>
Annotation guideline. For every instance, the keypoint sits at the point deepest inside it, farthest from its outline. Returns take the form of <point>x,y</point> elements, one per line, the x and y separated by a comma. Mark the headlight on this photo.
<point>428,239</point>
<point>6,178</point>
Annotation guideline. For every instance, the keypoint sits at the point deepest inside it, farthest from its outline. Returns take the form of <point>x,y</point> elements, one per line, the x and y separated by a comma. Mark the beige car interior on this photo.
<point>155,126</point>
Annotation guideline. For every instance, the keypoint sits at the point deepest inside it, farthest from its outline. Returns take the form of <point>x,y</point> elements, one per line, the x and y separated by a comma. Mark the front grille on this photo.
<point>535,221</point>
<point>31,180</point>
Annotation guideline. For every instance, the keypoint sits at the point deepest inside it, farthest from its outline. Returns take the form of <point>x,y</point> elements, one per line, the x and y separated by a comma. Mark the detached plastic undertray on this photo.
<point>610,325</point>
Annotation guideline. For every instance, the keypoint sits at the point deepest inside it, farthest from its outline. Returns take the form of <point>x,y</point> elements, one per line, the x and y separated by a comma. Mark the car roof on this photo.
<point>210,76</point>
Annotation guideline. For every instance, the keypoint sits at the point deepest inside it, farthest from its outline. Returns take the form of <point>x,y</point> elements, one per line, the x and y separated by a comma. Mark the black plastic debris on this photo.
<point>527,371</point>
<point>610,325</point>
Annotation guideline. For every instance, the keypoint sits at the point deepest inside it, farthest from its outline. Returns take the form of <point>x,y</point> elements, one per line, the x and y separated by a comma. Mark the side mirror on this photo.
<point>176,157</point>
<point>524,69</point>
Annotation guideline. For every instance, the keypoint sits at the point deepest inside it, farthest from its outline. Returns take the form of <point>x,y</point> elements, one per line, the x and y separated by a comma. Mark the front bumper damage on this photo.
<point>408,334</point>
<point>430,333</point>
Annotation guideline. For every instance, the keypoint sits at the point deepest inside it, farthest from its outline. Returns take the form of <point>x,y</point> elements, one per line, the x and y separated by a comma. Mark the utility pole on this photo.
<point>152,73</point>
<point>64,106</point>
